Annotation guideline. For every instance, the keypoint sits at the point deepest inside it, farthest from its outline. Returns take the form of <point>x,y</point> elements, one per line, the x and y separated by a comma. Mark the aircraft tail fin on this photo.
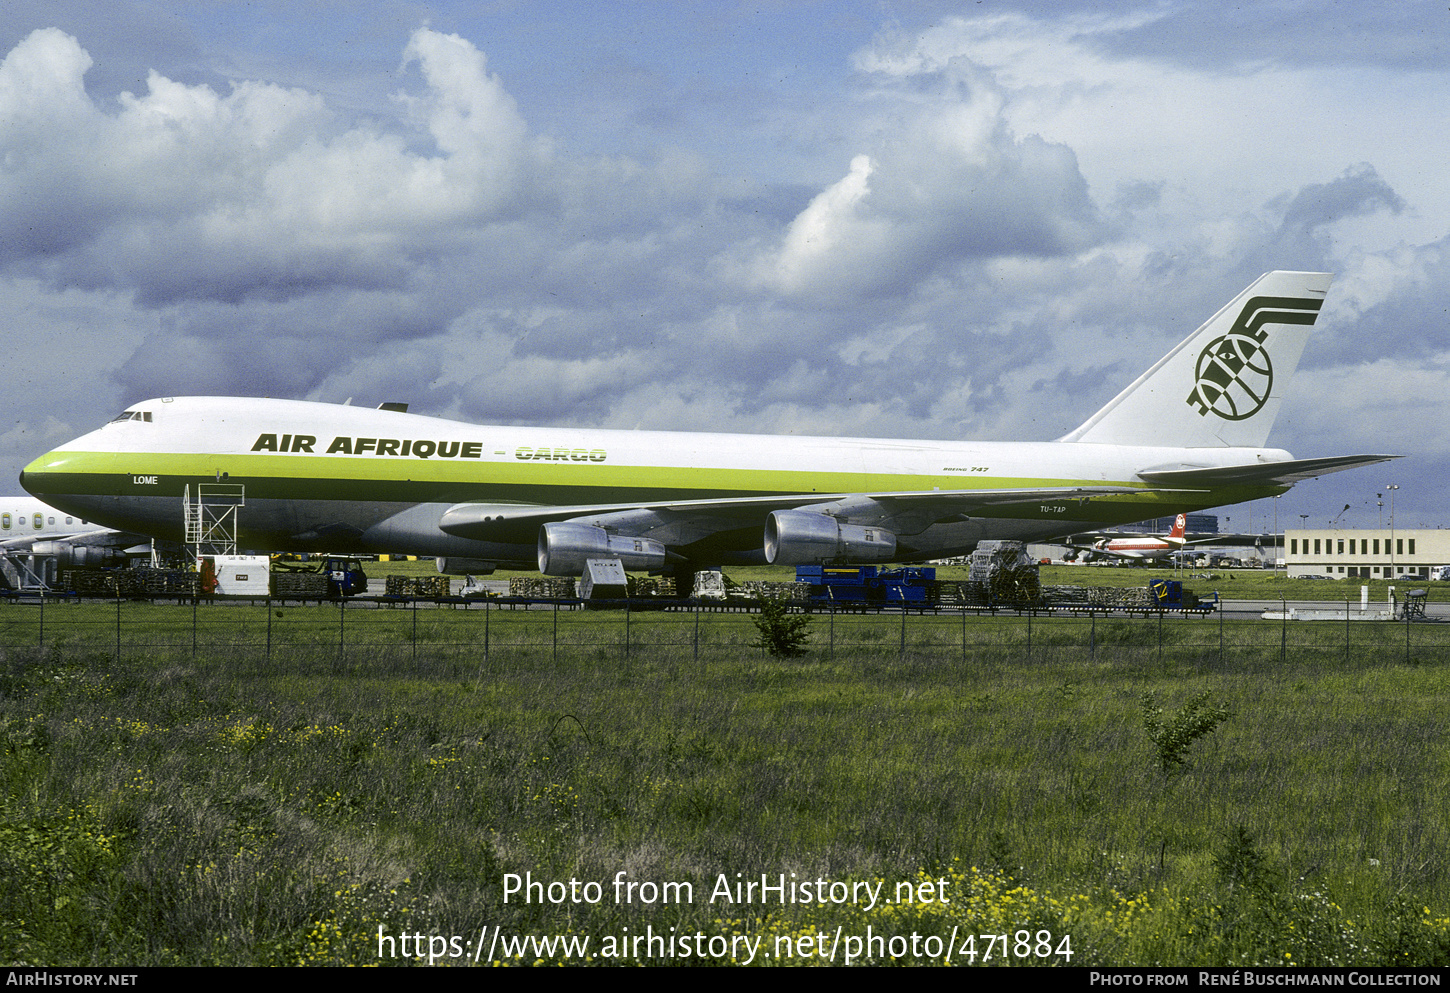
<point>1180,526</point>
<point>1223,384</point>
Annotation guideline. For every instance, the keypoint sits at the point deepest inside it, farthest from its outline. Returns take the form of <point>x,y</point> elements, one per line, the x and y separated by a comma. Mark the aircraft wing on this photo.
<point>23,543</point>
<point>1075,539</point>
<point>684,522</point>
<point>102,538</point>
<point>1112,554</point>
<point>1286,473</point>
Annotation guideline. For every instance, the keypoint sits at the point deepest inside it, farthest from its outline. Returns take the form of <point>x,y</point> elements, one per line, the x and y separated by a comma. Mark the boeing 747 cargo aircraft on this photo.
<point>1187,434</point>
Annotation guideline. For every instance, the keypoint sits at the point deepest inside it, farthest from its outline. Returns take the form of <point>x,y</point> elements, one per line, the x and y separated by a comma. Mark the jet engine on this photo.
<point>452,565</point>
<point>800,537</point>
<point>565,546</point>
<point>69,556</point>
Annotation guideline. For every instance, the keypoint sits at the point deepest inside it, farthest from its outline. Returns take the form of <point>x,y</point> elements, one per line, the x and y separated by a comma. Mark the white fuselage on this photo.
<point>24,520</point>
<point>320,476</point>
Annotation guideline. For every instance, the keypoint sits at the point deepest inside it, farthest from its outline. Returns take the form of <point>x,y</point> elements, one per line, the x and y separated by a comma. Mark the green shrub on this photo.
<point>1174,735</point>
<point>782,633</point>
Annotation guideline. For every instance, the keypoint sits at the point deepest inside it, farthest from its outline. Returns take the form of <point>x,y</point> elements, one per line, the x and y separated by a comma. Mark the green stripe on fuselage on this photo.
<point>268,476</point>
<point>302,477</point>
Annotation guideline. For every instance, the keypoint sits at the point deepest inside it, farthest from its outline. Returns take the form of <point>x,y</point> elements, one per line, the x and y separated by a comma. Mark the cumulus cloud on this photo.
<point>1359,191</point>
<point>831,225</point>
<point>1376,406</point>
<point>945,183</point>
<point>183,192</point>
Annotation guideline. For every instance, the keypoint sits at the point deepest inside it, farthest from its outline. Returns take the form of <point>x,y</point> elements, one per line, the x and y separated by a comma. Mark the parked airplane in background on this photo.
<point>26,521</point>
<point>30,529</point>
<point>1141,547</point>
<point>1187,434</point>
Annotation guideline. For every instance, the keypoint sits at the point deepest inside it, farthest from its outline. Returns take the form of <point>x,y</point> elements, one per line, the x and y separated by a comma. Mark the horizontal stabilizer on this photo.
<point>1256,473</point>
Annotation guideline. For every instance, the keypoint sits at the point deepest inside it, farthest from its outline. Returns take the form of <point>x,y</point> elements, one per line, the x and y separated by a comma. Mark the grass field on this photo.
<point>323,807</point>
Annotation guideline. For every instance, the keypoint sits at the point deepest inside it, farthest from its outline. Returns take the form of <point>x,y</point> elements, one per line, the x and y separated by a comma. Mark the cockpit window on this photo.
<point>132,415</point>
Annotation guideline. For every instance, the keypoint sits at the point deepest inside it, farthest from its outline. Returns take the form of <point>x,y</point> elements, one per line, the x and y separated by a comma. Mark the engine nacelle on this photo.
<point>565,547</point>
<point>68,556</point>
<point>452,565</point>
<point>800,537</point>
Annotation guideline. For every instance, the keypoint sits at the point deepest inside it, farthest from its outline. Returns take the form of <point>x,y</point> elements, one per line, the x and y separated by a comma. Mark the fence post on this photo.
<point>556,630</point>
<point>903,629</point>
<point>118,621</point>
<point>193,627</point>
<point>1092,635</point>
<point>626,630</point>
<point>1283,630</point>
<point>485,630</point>
<point>269,628</point>
<point>40,643</point>
<point>697,630</point>
<point>1029,635</point>
<point>341,628</point>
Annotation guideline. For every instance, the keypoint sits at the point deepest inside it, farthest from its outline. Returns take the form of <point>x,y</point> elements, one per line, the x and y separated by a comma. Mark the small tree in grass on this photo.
<point>1174,733</point>
<point>782,633</point>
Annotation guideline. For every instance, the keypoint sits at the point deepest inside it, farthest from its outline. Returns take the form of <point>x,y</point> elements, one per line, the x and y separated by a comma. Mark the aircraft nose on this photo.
<point>31,479</point>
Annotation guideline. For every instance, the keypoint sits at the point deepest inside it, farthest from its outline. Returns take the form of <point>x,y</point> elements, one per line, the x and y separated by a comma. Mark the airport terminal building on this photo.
<point>1372,554</point>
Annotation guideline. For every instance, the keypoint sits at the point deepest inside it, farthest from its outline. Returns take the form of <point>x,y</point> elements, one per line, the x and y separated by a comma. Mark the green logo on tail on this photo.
<point>1234,376</point>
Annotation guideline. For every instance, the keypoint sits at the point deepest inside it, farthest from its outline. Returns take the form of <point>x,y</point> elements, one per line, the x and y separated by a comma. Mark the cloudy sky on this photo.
<point>910,219</point>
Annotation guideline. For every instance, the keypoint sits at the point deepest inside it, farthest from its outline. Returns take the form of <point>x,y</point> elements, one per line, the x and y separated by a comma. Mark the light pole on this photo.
<point>1278,538</point>
<point>1390,488</point>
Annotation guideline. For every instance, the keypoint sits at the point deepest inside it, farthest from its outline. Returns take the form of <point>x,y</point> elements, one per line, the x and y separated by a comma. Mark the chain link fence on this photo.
<point>461,630</point>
